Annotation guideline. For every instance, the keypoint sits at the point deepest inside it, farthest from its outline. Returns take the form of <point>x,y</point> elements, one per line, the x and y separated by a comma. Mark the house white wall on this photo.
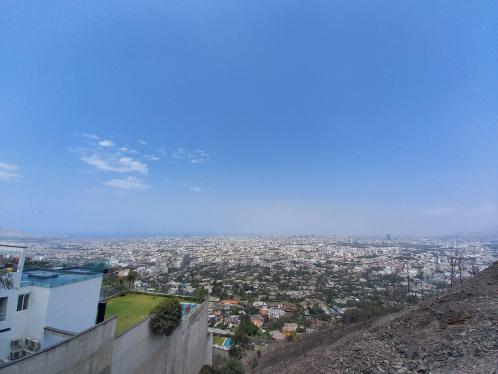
<point>30,322</point>
<point>6,336</point>
<point>73,307</point>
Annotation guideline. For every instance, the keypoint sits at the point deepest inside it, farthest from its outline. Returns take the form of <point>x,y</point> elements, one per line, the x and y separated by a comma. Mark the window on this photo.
<point>22,302</point>
<point>3,308</point>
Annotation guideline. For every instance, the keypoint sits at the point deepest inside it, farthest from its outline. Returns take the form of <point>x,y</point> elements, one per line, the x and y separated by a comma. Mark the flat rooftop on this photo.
<point>56,278</point>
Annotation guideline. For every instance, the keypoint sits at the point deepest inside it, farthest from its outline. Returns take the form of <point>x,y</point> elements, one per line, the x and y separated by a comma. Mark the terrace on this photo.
<point>131,308</point>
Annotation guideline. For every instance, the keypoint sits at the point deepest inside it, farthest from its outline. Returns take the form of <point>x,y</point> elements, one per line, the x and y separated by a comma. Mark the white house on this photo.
<point>43,306</point>
<point>275,313</point>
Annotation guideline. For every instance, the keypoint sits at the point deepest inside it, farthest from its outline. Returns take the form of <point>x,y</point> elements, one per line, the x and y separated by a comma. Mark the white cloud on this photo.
<point>106,143</point>
<point>185,184</point>
<point>128,183</point>
<point>152,157</point>
<point>113,162</point>
<point>143,142</point>
<point>130,164</point>
<point>8,172</point>
<point>91,136</point>
<point>197,156</point>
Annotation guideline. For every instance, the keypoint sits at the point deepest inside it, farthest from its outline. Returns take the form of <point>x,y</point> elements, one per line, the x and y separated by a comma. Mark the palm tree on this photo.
<point>131,277</point>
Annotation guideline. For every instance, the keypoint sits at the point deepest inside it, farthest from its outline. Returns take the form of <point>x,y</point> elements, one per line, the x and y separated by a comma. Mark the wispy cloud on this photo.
<point>106,143</point>
<point>128,183</point>
<point>196,156</point>
<point>114,163</point>
<point>8,172</point>
<point>185,184</point>
<point>102,155</point>
<point>110,155</point>
<point>152,157</point>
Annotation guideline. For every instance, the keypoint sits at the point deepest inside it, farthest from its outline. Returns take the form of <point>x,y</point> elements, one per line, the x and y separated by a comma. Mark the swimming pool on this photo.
<point>187,308</point>
<point>228,342</point>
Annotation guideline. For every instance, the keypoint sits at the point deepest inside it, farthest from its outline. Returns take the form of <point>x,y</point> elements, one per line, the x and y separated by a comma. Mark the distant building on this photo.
<point>257,320</point>
<point>123,273</point>
<point>275,313</point>
<point>289,329</point>
<point>230,302</point>
<point>277,335</point>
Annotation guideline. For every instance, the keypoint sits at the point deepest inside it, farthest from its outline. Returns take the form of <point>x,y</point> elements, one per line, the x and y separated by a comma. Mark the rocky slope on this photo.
<point>456,332</point>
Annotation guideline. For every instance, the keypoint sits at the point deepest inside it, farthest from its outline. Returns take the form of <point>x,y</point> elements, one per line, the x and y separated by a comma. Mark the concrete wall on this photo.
<point>137,351</point>
<point>88,352</point>
<point>185,351</point>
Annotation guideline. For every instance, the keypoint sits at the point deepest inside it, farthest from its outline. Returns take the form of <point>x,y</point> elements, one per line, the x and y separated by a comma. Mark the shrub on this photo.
<point>235,352</point>
<point>206,369</point>
<point>232,366</point>
<point>166,317</point>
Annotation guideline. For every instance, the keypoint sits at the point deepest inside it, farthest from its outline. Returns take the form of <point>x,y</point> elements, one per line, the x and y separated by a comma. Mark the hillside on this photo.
<point>455,332</point>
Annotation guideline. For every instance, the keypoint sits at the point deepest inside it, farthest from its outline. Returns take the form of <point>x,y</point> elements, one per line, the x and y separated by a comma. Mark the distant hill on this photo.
<point>12,234</point>
<point>455,332</point>
<point>489,234</point>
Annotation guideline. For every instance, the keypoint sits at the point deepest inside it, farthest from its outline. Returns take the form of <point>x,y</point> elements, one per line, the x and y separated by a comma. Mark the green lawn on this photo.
<point>130,309</point>
<point>218,340</point>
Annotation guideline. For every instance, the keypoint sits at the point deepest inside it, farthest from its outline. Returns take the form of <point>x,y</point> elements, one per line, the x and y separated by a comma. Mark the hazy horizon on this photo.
<point>317,117</point>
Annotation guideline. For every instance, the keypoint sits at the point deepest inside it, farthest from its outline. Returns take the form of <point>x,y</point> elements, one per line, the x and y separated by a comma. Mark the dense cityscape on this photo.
<point>287,286</point>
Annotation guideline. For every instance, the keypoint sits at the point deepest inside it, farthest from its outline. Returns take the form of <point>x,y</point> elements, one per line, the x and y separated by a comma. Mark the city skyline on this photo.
<point>233,118</point>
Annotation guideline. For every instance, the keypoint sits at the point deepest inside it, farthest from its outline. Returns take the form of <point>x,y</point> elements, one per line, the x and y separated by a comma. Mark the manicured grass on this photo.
<point>130,309</point>
<point>218,340</point>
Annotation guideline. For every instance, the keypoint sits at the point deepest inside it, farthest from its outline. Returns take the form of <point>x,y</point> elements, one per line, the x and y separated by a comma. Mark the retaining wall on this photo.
<point>98,351</point>
<point>86,352</point>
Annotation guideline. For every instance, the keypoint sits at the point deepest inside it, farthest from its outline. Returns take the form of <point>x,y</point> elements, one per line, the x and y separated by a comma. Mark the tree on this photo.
<point>240,337</point>
<point>200,294</point>
<point>456,265</point>
<point>166,317</point>
<point>235,352</point>
<point>354,315</point>
<point>459,256</point>
<point>246,326</point>
<point>6,281</point>
<point>232,366</point>
<point>206,369</point>
<point>131,277</point>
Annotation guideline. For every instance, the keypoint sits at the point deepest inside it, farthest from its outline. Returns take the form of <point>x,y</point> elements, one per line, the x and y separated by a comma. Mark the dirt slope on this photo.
<point>456,332</point>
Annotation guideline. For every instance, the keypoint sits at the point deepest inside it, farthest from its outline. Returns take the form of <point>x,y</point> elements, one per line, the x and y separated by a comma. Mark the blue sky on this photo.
<point>324,117</point>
